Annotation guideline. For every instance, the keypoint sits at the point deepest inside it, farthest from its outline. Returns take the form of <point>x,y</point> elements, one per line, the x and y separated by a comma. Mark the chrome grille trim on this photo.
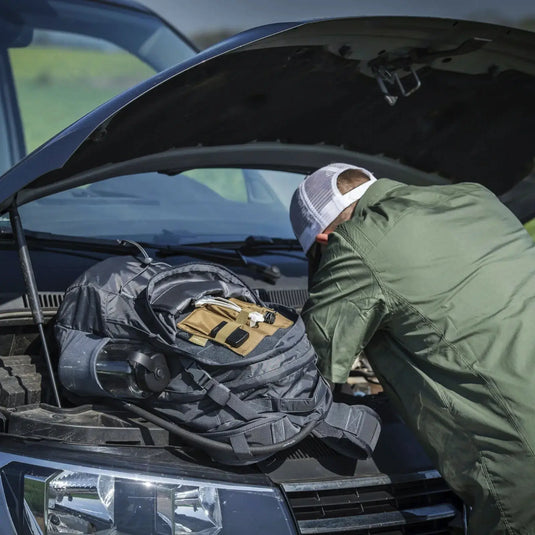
<point>370,481</point>
<point>401,504</point>
<point>382,520</point>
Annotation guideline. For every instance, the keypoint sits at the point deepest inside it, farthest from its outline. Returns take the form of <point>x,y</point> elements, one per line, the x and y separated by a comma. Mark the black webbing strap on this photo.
<point>369,430</point>
<point>218,392</point>
<point>240,446</point>
<point>343,430</point>
<point>293,406</point>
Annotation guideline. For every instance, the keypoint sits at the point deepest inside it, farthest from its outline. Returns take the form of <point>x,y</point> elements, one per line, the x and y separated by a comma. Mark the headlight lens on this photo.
<point>81,500</point>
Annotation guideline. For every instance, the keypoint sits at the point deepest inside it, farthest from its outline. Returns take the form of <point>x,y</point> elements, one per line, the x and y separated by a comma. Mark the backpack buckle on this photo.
<point>201,378</point>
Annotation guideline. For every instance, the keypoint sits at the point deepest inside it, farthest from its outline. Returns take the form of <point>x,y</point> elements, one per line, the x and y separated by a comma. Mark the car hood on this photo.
<point>324,85</point>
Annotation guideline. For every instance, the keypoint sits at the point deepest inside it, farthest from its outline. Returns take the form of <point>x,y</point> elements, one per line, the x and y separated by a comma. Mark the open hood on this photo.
<point>446,97</point>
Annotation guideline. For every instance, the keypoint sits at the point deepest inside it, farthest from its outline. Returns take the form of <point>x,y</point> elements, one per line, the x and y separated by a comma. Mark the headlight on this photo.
<point>46,497</point>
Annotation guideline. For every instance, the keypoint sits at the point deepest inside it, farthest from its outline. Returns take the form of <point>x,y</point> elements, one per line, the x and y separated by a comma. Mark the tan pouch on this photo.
<point>203,321</point>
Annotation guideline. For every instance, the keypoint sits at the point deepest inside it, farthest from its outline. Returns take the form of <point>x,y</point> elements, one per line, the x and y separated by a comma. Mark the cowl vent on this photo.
<point>46,299</point>
<point>293,298</point>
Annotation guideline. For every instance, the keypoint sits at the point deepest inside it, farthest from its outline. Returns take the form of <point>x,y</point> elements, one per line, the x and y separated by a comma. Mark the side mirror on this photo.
<point>13,32</point>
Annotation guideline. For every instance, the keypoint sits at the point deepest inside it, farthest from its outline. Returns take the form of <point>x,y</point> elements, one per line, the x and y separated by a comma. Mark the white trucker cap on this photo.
<point>317,202</point>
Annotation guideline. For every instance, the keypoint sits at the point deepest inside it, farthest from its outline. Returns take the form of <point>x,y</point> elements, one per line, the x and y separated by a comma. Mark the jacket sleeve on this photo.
<point>345,308</point>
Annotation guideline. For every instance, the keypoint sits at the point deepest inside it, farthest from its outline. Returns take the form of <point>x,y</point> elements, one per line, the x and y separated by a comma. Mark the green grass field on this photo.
<point>57,85</point>
<point>530,227</point>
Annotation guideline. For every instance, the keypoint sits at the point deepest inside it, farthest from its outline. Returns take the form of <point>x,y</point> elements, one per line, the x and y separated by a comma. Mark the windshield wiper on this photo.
<point>47,240</point>
<point>51,242</point>
<point>256,244</point>
<point>242,249</point>
<point>217,253</point>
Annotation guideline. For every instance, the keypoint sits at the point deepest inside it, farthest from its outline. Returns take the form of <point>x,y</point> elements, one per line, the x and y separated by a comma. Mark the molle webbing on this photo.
<point>217,321</point>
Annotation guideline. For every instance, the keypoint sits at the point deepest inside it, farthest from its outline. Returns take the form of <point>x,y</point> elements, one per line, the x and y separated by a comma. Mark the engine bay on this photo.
<point>28,411</point>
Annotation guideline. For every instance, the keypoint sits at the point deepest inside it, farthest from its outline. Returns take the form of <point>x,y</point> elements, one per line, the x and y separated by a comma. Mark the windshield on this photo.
<point>195,206</point>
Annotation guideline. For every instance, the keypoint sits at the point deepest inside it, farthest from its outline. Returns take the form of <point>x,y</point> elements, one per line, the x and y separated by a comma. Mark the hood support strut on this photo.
<point>31,288</point>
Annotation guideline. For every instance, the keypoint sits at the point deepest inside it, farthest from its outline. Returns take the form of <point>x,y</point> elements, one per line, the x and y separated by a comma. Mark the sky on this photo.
<point>203,16</point>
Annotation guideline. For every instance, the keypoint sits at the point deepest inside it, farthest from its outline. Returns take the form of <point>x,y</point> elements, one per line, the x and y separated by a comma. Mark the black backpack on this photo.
<point>118,337</point>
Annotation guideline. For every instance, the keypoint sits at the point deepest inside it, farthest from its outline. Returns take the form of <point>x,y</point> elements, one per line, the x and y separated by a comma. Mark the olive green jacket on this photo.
<point>438,285</point>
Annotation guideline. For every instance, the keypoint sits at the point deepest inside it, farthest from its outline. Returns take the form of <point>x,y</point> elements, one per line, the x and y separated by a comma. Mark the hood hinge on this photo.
<point>386,67</point>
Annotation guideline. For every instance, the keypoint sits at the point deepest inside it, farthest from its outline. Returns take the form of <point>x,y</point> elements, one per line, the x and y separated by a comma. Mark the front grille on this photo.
<point>419,503</point>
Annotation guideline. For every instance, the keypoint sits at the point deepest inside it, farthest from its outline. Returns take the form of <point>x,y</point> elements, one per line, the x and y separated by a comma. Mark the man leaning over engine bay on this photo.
<point>437,284</point>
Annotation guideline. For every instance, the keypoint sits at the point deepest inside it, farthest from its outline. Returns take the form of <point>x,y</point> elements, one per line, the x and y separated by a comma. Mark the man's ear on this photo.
<point>322,238</point>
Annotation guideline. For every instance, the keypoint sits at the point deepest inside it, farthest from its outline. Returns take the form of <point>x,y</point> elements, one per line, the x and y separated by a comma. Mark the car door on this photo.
<point>12,147</point>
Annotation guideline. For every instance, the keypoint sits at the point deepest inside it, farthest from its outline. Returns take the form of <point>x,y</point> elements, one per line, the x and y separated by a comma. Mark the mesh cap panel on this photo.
<point>317,202</point>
